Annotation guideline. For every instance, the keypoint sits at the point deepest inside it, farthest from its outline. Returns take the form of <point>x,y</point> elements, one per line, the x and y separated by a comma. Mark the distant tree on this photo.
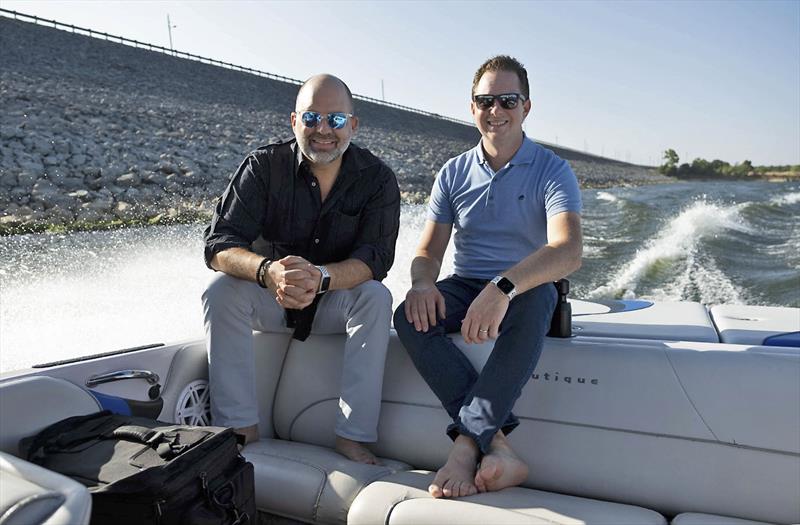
<point>671,160</point>
<point>703,169</point>
<point>684,171</point>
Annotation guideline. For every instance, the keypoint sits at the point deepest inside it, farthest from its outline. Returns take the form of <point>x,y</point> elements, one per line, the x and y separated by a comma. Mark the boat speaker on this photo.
<point>194,405</point>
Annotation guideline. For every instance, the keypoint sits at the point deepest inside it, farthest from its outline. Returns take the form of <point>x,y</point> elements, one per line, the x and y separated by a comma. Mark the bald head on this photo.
<point>327,86</point>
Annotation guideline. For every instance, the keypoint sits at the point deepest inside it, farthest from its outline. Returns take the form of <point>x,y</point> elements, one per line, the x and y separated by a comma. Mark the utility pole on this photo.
<point>169,30</point>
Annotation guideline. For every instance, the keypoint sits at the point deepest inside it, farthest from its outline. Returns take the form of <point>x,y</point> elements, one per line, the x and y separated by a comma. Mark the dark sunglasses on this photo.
<point>507,100</point>
<point>336,120</point>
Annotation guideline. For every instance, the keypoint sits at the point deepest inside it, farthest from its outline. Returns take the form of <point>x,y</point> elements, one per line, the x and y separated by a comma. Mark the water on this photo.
<point>717,243</point>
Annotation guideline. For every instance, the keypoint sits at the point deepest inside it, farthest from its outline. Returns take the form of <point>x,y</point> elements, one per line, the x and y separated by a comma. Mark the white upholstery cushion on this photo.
<point>684,321</point>
<point>750,325</point>
<point>403,499</point>
<point>694,518</point>
<point>31,494</point>
<point>654,431</point>
<point>30,404</point>
<point>308,482</point>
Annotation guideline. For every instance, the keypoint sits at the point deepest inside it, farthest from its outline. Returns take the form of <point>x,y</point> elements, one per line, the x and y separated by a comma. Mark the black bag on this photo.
<point>139,470</point>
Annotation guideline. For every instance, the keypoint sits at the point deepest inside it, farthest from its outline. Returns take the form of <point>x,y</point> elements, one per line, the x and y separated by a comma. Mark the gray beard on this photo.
<point>320,157</point>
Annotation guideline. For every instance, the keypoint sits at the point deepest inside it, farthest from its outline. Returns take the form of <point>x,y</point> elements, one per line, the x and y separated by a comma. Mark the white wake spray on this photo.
<point>674,247</point>
<point>789,198</point>
<point>606,196</point>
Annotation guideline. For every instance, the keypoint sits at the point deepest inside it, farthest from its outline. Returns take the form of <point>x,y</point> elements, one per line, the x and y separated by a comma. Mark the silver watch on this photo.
<point>505,285</point>
<point>325,280</point>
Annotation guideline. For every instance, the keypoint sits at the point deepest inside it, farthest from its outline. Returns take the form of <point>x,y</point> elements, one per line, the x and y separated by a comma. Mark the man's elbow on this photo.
<point>574,257</point>
<point>576,263</point>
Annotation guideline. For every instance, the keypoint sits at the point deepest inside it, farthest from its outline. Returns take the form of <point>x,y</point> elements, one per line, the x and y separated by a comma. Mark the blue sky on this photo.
<point>624,79</point>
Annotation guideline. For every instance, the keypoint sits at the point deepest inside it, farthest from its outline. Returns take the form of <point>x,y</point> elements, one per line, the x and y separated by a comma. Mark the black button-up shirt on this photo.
<point>273,206</point>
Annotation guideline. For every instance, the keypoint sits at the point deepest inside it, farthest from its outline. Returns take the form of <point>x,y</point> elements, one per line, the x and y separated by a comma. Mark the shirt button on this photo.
<point>316,241</point>
<point>314,184</point>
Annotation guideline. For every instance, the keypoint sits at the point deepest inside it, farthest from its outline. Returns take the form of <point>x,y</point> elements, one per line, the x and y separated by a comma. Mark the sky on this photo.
<point>625,79</point>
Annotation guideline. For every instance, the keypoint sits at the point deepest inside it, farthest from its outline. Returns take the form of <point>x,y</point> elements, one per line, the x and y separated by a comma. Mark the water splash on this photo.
<point>789,198</point>
<point>592,250</point>
<point>703,282</point>
<point>674,247</point>
<point>606,196</point>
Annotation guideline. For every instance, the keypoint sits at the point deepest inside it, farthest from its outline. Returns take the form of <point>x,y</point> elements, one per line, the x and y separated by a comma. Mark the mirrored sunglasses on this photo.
<point>507,100</point>
<point>336,120</point>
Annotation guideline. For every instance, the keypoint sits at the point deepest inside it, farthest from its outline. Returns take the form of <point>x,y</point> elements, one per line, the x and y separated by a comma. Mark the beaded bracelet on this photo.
<point>263,268</point>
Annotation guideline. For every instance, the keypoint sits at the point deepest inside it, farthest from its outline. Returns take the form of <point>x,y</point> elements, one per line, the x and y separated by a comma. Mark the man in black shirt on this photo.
<point>302,237</point>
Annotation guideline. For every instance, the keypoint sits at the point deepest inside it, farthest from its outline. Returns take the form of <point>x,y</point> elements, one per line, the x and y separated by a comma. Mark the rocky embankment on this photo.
<point>98,133</point>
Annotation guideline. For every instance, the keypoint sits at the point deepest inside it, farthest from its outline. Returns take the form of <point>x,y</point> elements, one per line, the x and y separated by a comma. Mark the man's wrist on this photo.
<point>504,286</point>
<point>423,285</point>
<point>324,280</point>
<point>263,273</point>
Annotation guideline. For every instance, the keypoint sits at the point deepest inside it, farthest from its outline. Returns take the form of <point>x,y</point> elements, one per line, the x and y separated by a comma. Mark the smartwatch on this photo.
<point>325,280</point>
<point>505,286</point>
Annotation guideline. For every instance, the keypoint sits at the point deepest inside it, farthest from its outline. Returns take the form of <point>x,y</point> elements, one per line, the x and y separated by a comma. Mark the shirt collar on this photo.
<point>524,155</point>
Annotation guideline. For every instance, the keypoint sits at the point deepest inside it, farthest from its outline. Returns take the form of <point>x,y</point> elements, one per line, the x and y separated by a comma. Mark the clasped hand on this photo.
<point>295,281</point>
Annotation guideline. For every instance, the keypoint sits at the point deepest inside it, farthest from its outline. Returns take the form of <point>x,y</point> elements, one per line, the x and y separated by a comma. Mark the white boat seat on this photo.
<point>696,518</point>
<point>403,499</point>
<point>310,483</point>
<point>752,325</point>
<point>30,404</point>
<point>31,494</point>
<point>592,422</point>
<point>684,321</point>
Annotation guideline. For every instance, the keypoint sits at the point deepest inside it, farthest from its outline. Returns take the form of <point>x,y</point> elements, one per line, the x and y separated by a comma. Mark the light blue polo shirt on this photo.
<point>501,218</point>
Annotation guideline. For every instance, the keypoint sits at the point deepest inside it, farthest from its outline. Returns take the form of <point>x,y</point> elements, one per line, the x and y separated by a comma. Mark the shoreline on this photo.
<point>201,213</point>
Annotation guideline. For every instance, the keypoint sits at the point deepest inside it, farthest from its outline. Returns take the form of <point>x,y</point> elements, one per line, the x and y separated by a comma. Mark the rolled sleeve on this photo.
<point>239,214</point>
<point>378,227</point>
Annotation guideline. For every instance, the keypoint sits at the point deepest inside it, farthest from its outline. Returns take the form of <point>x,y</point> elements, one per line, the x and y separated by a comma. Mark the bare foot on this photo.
<point>355,451</point>
<point>455,478</point>
<point>500,468</point>
<point>250,433</point>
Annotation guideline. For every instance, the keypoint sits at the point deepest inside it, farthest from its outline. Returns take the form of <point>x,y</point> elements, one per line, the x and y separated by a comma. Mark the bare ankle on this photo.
<point>355,451</point>
<point>466,444</point>
<point>250,433</point>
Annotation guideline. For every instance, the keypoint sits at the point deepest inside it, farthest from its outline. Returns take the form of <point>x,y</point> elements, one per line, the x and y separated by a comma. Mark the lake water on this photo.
<point>65,295</point>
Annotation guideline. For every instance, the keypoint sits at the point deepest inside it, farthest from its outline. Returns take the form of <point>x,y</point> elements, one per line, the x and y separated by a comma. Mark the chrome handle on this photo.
<point>150,377</point>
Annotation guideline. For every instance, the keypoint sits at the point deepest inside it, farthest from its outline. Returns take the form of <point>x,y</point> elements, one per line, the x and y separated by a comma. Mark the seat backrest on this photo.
<point>30,404</point>
<point>670,426</point>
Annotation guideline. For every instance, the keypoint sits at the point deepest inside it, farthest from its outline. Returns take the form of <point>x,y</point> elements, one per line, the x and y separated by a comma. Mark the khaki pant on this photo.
<point>233,308</point>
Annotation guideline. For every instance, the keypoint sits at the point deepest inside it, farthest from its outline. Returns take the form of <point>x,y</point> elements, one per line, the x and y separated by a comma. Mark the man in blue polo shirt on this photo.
<point>516,210</point>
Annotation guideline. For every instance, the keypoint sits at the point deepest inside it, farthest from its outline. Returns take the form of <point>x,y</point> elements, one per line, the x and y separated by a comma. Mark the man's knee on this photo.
<point>401,324</point>
<point>222,289</point>
<point>376,295</point>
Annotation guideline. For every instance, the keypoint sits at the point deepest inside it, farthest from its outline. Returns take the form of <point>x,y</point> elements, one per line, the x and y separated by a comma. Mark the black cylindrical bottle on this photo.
<point>561,325</point>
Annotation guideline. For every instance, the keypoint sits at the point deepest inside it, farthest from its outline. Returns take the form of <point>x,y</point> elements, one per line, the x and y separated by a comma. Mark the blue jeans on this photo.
<point>480,404</point>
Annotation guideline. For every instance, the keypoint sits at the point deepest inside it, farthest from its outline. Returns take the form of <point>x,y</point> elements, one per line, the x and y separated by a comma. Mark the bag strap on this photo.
<point>66,433</point>
<point>137,434</point>
<point>168,444</point>
<point>223,498</point>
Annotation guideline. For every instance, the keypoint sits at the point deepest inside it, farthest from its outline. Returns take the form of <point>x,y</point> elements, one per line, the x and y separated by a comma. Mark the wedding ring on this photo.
<point>483,331</point>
